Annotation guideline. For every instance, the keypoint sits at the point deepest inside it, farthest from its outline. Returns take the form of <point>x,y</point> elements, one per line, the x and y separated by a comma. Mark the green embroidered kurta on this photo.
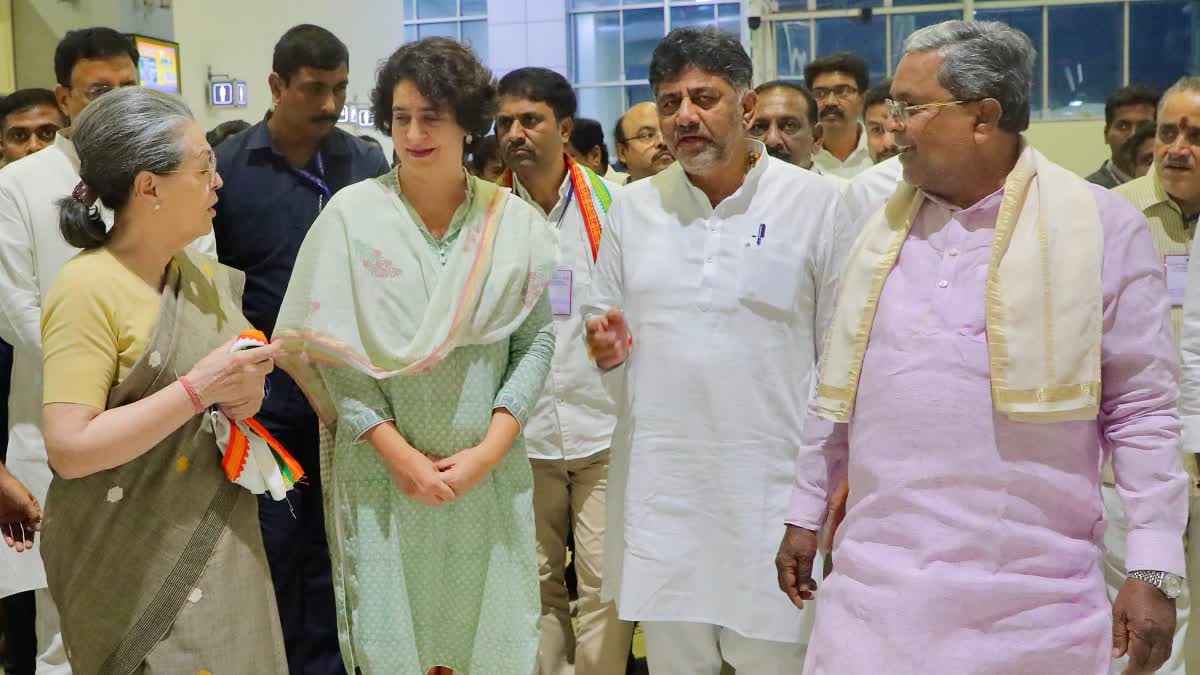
<point>453,585</point>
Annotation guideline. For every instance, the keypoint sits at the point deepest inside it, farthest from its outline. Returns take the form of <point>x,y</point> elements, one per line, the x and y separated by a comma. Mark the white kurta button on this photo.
<point>943,283</point>
<point>155,359</point>
<point>710,260</point>
<point>952,252</point>
<point>195,595</point>
<point>115,495</point>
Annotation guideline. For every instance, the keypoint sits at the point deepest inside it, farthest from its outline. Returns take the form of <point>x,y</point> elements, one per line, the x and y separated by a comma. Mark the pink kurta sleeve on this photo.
<point>1139,421</point>
<point>820,465</point>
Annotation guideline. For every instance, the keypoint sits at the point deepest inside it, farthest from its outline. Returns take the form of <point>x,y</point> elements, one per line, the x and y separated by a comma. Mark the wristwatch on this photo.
<point>1170,584</point>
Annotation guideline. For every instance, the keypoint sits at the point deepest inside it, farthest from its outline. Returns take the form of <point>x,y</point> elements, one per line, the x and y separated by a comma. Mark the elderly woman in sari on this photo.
<point>425,375</point>
<point>153,557</point>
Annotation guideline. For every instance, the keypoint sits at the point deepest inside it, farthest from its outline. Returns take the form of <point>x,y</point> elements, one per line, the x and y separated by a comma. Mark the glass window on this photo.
<point>612,42</point>
<point>447,29</point>
<point>593,4</point>
<point>448,13</point>
<point>473,8</point>
<point>638,93</point>
<point>848,4</point>
<point>604,104</point>
<point>729,18</point>
<point>695,16</point>
<point>474,35</point>
<point>1163,41</point>
<point>868,39</point>
<point>904,25</point>
<point>1084,59</point>
<point>436,9</point>
<point>793,48</point>
<point>793,5</point>
<point>1029,21</point>
<point>643,29</point>
<point>597,47</point>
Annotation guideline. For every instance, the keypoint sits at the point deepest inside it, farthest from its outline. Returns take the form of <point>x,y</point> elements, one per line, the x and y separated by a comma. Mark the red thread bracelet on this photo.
<point>191,392</point>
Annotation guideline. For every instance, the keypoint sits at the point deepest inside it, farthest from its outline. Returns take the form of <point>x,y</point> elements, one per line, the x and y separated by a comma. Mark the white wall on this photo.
<point>1077,145</point>
<point>237,37</point>
<point>38,25</point>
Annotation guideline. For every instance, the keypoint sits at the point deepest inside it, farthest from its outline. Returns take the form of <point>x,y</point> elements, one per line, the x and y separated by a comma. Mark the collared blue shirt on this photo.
<point>264,211</point>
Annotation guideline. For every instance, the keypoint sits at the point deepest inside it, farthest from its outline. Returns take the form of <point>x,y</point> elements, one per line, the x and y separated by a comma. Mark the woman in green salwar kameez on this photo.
<point>417,324</point>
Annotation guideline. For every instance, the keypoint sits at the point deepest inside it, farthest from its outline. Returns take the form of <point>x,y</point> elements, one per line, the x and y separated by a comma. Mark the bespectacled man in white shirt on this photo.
<point>839,84</point>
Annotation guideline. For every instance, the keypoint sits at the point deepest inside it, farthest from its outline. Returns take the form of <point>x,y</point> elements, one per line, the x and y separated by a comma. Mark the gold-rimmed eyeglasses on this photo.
<point>903,112</point>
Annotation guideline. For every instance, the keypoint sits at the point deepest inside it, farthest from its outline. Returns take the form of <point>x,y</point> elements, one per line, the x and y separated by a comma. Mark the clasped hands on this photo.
<point>430,480</point>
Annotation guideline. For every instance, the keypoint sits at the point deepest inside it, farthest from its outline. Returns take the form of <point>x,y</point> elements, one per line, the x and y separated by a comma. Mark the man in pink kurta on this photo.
<point>971,542</point>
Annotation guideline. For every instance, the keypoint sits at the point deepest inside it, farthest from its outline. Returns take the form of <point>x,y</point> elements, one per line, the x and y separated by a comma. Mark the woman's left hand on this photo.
<point>464,470</point>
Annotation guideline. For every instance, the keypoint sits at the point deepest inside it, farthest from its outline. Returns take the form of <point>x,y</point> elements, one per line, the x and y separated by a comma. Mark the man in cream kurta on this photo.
<point>570,431</point>
<point>1169,196</point>
<point>870,189</point>
<point>723,292</point>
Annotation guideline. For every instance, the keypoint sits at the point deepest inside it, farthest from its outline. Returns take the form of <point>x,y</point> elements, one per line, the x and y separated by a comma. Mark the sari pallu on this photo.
<point>157,565</point>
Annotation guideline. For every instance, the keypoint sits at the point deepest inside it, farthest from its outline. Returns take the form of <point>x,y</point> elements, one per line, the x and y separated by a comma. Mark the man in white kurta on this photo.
<point>869,190</point>
<point>570,431</point>
<point>721,271</point>
<point>32,251</point>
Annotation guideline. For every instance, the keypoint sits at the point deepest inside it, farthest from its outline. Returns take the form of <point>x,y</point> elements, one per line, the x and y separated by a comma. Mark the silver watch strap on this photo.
<point>1153,577</point>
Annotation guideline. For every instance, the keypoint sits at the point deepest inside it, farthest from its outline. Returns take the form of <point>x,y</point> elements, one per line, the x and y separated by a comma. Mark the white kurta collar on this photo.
<point>563,189</point>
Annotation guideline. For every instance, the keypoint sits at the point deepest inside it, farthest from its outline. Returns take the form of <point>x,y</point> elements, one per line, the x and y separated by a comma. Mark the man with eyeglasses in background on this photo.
<point>640,144</point>
<point>839,83</point>
<point>88,63</point>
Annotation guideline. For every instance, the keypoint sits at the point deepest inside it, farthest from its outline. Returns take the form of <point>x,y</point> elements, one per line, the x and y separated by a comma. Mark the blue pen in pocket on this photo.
<point>762,232</point>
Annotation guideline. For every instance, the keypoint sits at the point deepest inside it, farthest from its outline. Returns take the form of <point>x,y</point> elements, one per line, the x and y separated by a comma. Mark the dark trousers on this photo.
<point>20,638</point>
<point>294,537</point>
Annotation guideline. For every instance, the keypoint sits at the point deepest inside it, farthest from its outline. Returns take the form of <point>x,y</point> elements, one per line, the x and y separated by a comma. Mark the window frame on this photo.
<point>414,24</point>
<point>620,7</point>
<point>968,8</point>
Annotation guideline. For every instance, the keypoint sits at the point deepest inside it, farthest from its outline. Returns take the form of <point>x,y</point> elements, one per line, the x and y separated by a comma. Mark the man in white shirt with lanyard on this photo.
<point>570,431</point>
<point>713,285</point>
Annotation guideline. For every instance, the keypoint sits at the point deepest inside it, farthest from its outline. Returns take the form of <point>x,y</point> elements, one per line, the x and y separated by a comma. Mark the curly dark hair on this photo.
<point>445,72</point>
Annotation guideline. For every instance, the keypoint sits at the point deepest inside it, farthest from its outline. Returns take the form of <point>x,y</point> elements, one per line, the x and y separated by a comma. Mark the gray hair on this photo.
<point>122,134</point>
<point>983,59</point>
<point>1188,84</point>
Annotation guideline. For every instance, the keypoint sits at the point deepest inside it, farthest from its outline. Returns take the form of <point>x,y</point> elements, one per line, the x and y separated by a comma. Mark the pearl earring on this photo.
<point>156,206</point>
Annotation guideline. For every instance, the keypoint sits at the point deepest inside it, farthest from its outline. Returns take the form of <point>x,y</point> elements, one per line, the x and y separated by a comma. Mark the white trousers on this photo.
<point>52,654</point>
<point>1114,577</point>
<point>675,648</point>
